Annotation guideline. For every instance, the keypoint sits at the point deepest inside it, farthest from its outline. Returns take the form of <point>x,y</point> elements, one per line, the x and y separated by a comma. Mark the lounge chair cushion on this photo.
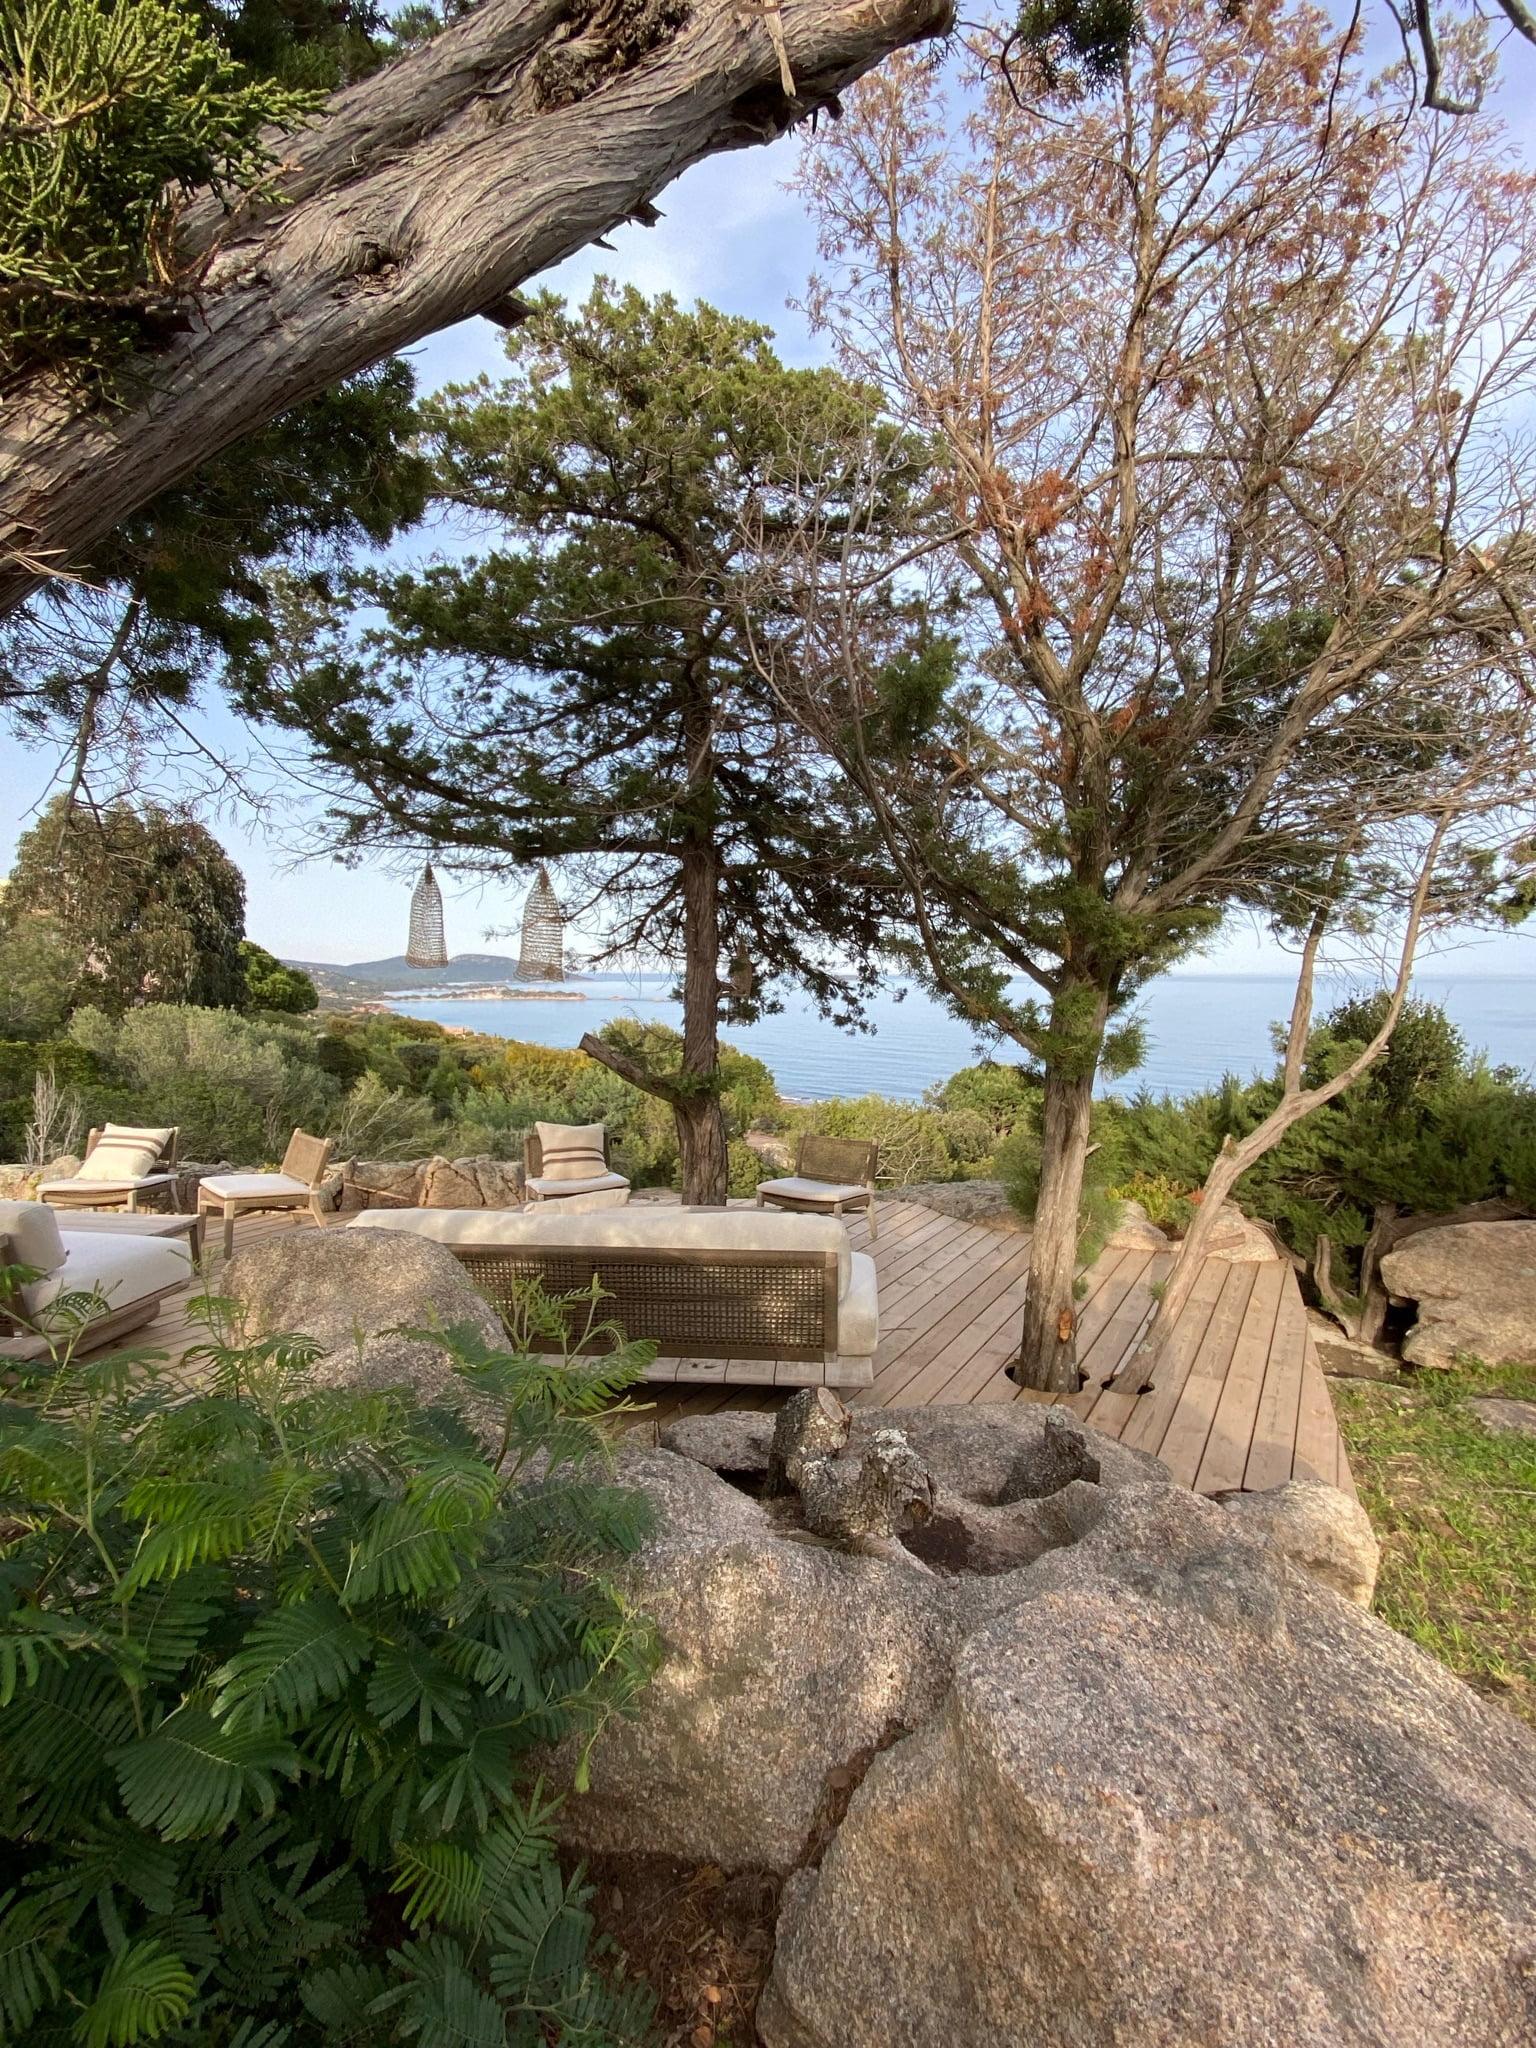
<point>122,1268</point>
<point>641,1224</point>
<point>571,1151</point>
<point>33,1231</point>
<point>795,1187</point>
<point>248,1186</point>
<point>858,1313</point>
<point>124,1152</point>
<point>564,1190</point>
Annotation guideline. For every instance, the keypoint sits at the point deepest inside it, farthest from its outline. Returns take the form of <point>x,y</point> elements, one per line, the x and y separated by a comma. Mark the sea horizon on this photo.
<point>913,1042</point>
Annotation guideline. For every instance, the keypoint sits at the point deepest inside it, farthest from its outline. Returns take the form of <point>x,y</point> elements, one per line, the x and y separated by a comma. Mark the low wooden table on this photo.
<point>140,1223</point>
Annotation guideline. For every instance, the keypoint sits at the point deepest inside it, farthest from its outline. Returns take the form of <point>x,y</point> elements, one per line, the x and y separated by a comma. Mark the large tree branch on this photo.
<point>420,197</point>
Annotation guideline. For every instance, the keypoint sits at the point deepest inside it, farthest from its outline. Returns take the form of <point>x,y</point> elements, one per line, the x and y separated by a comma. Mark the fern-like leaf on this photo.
<point>28,1980</point>
<point>194,1774</point>
<point>143,1993</point>
<point>292,1659</point>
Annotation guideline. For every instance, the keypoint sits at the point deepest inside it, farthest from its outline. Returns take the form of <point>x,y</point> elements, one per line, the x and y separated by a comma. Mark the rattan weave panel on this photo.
<point>701,1307</point>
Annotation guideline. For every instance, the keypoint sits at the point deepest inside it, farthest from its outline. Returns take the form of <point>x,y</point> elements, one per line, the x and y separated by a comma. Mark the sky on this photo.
<point>731,232</point>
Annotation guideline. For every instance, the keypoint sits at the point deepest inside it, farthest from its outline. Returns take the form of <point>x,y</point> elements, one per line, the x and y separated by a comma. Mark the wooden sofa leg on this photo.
<point>229,1232</point>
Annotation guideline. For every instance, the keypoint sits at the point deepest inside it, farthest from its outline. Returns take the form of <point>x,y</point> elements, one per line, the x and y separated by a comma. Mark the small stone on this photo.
<point>1503,1416</point>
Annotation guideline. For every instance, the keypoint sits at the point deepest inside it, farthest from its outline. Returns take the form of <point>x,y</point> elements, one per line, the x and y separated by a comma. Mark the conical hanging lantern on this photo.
<point>426,946</point>
<point>542,955</point>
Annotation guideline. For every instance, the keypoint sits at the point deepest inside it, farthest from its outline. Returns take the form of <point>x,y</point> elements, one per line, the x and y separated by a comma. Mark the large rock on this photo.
<point>1475,1285</point>
<point>969,1201</point>
<point>1177,1795</point>
<point>1322,1531</point>
<point>787,1664</point>
<point>1238,1240</point>
<point>353,1292</point>
<point>449,1184</point>
<point>1134,1231</point>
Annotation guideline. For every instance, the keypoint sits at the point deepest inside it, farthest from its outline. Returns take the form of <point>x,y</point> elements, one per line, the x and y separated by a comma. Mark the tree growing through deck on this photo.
<point>583,692</point>
<point>1222,374</point>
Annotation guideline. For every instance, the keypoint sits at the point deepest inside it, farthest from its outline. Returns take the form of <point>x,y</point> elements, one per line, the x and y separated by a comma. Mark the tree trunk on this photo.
<point>700,1118</point>
<point>1048,1341</point>
<point>420,197</point>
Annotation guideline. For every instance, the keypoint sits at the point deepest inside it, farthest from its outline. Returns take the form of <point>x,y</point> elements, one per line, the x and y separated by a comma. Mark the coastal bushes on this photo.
<point>1430,1127</point>
<point>276,1667</point>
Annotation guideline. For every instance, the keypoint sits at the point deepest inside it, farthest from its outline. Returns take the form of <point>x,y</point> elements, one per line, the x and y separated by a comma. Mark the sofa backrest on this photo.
<point>651,1225</point>
<point>706,1283</point>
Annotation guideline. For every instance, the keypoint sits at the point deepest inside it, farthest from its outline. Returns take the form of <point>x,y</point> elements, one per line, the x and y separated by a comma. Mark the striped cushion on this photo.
<point>571,1151</point>
<point>124,1152</point>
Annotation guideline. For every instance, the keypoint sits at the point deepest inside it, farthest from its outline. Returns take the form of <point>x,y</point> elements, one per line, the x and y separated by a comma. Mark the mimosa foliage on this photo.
<point>274,1665</point>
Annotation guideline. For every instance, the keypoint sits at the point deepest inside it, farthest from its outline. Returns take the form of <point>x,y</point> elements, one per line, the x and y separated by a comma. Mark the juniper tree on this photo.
<point>107,668</point>
<point>583,691</point>
<point>1221,373</point>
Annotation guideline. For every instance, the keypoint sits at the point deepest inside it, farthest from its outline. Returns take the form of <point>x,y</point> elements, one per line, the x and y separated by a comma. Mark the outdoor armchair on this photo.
<point>569,1163</point>
<point>295,1186</point>
<point>831,1175</point>
<point>122,1164</point>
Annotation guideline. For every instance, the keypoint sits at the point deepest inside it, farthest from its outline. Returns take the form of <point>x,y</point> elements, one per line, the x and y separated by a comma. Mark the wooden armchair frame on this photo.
<point>305,1160</point>
<point>839,1162</point>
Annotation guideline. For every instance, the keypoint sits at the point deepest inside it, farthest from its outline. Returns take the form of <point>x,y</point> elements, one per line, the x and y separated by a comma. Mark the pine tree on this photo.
<point>589,691</point>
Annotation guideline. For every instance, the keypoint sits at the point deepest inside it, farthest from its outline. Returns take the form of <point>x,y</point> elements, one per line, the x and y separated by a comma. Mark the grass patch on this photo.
<point>1454,1505</point>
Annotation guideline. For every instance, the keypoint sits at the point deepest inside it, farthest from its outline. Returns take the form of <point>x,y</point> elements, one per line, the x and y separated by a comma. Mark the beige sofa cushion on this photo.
<point>858,1313</point>
<point>124,1152</point>
<point>33,1231</point>
<point>641,1224</point>
<point>571,1151</point>
<point>122,1268</point>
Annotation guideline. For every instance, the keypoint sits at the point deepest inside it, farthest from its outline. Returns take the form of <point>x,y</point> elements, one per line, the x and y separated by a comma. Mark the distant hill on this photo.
<point>363,980</point>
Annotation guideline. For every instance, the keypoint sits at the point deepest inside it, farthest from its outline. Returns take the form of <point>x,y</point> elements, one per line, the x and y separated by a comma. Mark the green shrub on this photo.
<point>275,1667</point>
<point>1166,1202</point>
<point>914,1143</point>
<point>1004,1095</point>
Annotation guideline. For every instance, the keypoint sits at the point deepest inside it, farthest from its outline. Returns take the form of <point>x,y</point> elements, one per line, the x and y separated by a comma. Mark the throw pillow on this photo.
<point>571,1151</point>
<point>123,1152</point>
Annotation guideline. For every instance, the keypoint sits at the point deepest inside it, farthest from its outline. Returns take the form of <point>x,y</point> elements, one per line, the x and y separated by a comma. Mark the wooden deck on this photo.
<point>1238,1401</point>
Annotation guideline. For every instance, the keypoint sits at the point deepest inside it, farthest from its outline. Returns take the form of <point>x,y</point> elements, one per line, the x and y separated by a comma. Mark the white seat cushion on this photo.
<point>639,1224</point>
<point>124,1152</point>
<point>571,1151</point>
<point>33,1230</point>
<point>563,1189</point>
<point>796,1188</point>
<point>858,1313</point>
<point>123,1269</point>
<point>229,1186</point>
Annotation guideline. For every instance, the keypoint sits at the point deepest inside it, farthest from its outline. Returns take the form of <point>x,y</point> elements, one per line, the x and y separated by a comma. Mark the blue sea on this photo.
<point>1198,1026</point>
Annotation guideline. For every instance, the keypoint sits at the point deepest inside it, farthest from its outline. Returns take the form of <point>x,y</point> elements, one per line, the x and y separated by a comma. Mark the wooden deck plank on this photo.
<point>1226,1451</point>
<point>1273,1452</point>
<point>1181,1444</point>
<point>1118,1407</point>
<point>1317,1433</point>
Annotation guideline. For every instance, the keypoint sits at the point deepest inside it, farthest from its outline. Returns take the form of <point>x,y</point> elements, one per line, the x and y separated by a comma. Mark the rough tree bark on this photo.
<point>419,197</point>
<point>1047,1356</point>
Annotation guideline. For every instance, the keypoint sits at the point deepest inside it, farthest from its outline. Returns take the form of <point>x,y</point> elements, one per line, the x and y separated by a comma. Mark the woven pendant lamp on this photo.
<point>426,947</point>
<point>542,954</point>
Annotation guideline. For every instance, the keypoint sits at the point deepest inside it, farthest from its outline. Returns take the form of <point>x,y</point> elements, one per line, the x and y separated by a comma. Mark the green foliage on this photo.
<point>148,904</point>
<point>1002,1093</point>
<point>39,970</point>
<point>1428,1128</point>
<point>235,1086</point>
<point>112,113</point>
<point>276,1665</point>
<point>269,985</point>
